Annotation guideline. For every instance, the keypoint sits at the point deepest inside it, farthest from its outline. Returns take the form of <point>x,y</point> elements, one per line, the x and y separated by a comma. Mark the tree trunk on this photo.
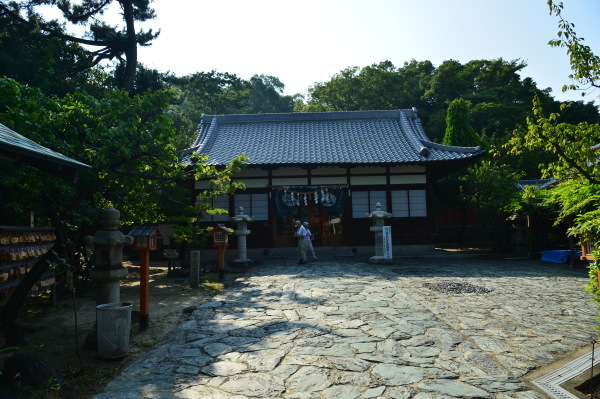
<point>131,47</point>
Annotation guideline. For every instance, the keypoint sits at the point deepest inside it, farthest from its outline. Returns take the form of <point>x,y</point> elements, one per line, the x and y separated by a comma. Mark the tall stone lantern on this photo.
<point>242,232</point>
<point>383,240</point>
<point>108,247</point>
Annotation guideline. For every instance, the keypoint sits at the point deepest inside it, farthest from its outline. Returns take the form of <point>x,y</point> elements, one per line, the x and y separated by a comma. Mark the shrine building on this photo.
<point>330,169</point>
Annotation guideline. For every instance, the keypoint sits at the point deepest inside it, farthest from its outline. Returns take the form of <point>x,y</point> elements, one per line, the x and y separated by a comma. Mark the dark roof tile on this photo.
<point>14,142</point>
<point>361,137</point>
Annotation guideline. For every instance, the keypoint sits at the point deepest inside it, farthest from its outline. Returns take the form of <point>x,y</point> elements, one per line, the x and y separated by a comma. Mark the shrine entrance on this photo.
<point>325,221</point>
<point>327,229</point>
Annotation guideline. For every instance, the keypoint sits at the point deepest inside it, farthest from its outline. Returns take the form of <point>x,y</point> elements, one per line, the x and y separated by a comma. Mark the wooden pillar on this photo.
<point>220,263</point>
<point>144,287</point>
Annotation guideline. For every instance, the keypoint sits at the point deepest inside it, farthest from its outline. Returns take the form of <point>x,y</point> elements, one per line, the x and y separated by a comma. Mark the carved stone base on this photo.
<point>108,287</point>
<point>380,260</point>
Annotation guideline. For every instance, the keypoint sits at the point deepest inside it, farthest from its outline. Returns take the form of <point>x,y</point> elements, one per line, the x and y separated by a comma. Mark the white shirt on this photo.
<point>308,236</point>
<point>302,232</point>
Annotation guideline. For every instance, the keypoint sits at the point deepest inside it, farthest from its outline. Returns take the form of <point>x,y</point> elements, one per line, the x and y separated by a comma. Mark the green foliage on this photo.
<point>378,86</point>
<point>579,199</point>
<point>146,79</point>
<point>459,131</point>
<point>486,189</point>
<point>216,93</point>
<point>572,144</point>
<point>489,190</point>
<point>30,56</point>
<point>494,119</point>
<point>584,63</point>
<point>110,41</point>
<point>221,183</point>
<point>578,112</point>
<point>496,84</point>
<point>593,286</point>
<point>126,140</point>
<point>265,96</point>
<point>211,93</point>
<point>536,200</point>
<point>449,82</point>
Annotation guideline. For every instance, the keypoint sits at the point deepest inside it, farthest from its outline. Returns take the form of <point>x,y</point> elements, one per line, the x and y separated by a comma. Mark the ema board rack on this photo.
<point>20,248</point>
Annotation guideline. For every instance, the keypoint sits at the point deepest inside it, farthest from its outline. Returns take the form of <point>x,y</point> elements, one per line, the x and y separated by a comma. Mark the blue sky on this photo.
<point>308,41</point>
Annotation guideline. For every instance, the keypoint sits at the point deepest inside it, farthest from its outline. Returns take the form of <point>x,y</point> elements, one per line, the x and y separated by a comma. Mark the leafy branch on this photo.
<point>584,63</point>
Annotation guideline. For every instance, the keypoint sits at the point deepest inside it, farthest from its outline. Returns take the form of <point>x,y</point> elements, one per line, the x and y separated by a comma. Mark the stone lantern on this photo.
<point>108,245</point>
<point>241,232</point>
<point>383,239</point>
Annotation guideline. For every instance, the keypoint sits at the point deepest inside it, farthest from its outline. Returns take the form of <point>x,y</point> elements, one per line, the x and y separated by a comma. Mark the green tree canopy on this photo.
<point>218,93</point>
<point>266,96</point>
<point>127,139</point>
<point>459,131</point>
<point>500,98</point>
<point>112,42</point>
<point>30,56</point>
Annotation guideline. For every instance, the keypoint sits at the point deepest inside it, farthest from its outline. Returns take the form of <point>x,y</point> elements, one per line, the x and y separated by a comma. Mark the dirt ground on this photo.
<point>51,331</point>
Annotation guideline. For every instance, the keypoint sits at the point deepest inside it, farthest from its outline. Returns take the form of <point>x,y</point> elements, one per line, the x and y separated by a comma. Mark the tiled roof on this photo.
<point>13,142</point>
<point>143,231</point>
<point>361,137</point>
<point>540,184</point>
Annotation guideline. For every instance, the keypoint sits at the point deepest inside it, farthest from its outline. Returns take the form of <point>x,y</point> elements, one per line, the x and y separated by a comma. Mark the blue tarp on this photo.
<point>558,256</point>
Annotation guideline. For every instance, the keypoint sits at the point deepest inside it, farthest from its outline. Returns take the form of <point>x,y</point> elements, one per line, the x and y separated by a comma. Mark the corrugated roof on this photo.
<point>361,137</point>
<point>14,142</point>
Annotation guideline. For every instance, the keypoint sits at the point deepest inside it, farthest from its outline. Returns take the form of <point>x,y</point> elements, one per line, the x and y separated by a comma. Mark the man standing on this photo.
<point>301,235</point>
<point>309,238</point>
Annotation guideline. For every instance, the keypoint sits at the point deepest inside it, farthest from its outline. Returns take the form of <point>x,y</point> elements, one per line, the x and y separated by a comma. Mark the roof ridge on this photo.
<point>455,148</point>
<point>307,116</point>
<point>209,137</point>
<point>418,127</point>
<point>412,139</point>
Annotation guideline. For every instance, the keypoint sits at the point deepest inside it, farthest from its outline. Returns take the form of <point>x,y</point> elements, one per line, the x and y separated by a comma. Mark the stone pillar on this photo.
<point>195,269</point>
<point>378,216</point>
<point>241,232</point>
<point>108,248</point>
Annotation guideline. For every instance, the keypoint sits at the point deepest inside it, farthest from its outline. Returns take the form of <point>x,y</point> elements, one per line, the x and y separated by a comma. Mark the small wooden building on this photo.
<point>329,169</point>
<point>22,246</point>
<point>18,148</point>
<point>144,237</point>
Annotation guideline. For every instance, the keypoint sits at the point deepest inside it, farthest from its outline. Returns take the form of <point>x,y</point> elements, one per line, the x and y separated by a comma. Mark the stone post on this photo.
<point>195,269</point>
<point>378,216</point>
<point>241,232</point>
<point>108,248</point>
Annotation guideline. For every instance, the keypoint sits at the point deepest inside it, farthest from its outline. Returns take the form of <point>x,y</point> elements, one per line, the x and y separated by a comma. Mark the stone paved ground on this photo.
<point>341,328</point>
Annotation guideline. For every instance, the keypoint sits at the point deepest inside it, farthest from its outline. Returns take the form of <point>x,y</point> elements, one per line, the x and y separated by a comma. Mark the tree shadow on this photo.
<point>241,336</point>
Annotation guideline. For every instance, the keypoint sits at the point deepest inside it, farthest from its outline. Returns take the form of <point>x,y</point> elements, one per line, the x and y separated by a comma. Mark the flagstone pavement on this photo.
<point>338,327</point>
